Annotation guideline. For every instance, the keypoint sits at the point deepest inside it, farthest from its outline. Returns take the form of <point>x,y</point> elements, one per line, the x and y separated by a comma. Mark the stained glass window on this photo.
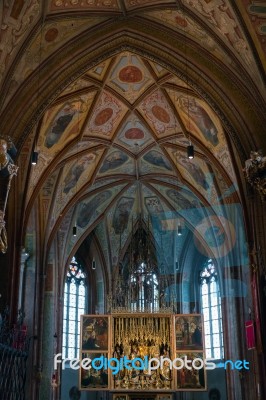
<point>211,309</point>
<point>75,295</point>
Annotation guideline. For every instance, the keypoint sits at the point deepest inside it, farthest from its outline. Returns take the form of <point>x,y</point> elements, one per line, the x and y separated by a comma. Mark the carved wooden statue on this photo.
<point>255,172</point>
<point>7,170</point>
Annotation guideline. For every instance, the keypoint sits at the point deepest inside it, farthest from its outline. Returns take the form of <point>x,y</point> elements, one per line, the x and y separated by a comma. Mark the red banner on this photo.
<point>250,334</point>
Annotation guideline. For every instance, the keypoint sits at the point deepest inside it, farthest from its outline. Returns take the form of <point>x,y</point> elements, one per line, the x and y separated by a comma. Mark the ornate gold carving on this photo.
<point>7,168</point>
<point>3,154</point>
<point>137,337</point>
<point>3,235</point>
<point>255,172</point>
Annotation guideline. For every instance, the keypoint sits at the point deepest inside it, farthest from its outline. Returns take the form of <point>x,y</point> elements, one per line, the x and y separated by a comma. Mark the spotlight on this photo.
<point>93,265</point>
<point>74,230</point>
<point>179,230</point>
<point>190,151</point>
<point>34,157</point>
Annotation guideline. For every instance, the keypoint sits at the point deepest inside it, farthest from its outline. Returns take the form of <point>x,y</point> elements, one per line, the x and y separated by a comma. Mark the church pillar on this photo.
<point>23,258</point>
<point>258,287</point>
<point>234,305</point>
<point>45,389</point>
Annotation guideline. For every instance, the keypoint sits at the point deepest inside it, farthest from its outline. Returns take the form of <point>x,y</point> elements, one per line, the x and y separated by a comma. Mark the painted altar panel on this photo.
<point>94,350</point>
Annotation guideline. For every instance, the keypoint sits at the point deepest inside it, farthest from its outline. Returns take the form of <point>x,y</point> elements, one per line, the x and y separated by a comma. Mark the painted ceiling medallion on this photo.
<point>130,74</point>
<point>108,112</point>
<point>134,134</point>
<point>156,110</point>
<point>103,116</point>
<point>130,77</point>
<point>51,35</point>
<point>161,114</point>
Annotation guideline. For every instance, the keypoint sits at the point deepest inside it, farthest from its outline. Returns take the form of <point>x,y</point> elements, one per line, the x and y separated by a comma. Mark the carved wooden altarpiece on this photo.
<point>137,338</point>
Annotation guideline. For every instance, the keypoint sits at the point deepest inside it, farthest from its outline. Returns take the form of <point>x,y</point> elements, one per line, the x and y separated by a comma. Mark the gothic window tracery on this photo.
<point>211,309</point>
<point>75,294</point>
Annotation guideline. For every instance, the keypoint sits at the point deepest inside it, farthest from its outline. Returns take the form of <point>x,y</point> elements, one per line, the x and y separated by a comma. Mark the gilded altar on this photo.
<point>142,353</point>
<point>141,396</point>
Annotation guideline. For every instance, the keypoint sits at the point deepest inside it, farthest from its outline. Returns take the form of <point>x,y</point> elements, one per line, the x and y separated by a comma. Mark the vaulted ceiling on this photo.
<point>112,136</point>
<point>113,147</point>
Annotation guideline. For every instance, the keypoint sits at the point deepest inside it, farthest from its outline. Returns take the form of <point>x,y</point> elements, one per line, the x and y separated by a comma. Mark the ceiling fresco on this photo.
<point>107,158</point>
<point>134,135</point>
<point>213,25</point>
<point>112,141</point>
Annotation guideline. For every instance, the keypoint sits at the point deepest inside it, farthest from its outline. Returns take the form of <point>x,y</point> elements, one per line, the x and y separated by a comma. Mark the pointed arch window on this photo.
<point>75,295</point>
<point>211,309</point>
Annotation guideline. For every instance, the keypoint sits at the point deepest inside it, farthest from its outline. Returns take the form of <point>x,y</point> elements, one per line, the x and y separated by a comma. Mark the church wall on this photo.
<point>47,347</point>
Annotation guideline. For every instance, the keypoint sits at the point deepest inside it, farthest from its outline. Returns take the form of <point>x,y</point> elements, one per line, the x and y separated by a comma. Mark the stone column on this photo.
<point>23,258</point>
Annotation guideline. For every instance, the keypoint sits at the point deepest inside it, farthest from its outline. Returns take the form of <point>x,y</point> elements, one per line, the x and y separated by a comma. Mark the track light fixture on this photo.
<point>34,157</point>
<point>190,151</point>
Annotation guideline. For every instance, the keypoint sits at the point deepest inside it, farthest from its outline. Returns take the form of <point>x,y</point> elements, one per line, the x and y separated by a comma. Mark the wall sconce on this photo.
<point>93,264</point>
<point>74,231</point>
<point>179,230</point>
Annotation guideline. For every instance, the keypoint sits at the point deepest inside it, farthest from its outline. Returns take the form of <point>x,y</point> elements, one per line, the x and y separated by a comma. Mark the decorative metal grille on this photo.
<point>14,350</point>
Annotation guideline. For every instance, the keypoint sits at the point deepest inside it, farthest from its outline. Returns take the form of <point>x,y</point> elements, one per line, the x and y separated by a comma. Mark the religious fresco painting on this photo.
<point>196,172</point>
<point>76,170</point>
<point>114,224</point>
<point>114,160</point>
<point>195,169</point>
<point>75,174</point>
<point>121,214</point>
<point>156,159</point>
<point>193,110</point>
<point>87,209</point>
<point>64,121</point>
<point>179,199</point>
